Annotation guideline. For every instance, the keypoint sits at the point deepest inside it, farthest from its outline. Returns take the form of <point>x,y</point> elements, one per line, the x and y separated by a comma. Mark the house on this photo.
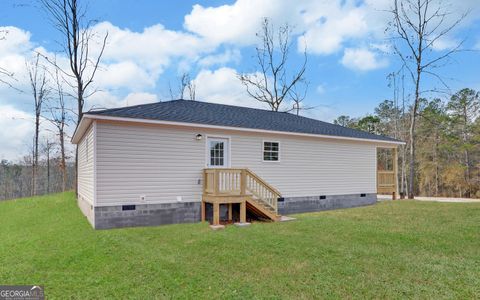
<point>184,161</point>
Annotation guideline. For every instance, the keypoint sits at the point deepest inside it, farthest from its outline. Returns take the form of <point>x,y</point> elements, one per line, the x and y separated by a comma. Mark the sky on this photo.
<point>151,43</point>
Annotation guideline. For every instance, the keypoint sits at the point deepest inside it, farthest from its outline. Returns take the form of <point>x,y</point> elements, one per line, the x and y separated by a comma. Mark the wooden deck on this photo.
<point>228,186</point>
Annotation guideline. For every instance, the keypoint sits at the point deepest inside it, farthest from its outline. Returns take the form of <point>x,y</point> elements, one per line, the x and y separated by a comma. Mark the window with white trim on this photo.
<point>271,151</point>
<point>217,153</point>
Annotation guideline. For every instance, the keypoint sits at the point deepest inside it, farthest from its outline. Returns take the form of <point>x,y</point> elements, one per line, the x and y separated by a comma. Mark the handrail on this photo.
<point>236,181</point>
<point>274,190</point>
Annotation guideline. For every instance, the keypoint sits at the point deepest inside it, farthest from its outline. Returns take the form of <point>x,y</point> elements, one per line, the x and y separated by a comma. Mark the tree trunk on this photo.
<point>48,168</point>
<point>403,175</point>
<point>80,114</point>
<point>412,156</point>
<point>62,162</point>
<point>466,154</point>
<point>435,161</point>
<point>411,188</point>
<point>35,158</point>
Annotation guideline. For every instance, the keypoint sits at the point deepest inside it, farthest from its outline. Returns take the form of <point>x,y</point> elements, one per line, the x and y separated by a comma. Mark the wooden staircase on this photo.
<point>228,186</point>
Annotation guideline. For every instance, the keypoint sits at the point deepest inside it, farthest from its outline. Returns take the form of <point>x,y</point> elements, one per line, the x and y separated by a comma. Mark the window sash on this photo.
<point>217,153</point>
<point>271,151</point>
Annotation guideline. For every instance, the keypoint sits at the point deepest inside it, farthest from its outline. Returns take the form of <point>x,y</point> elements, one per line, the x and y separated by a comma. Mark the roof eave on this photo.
<point>81,128</point>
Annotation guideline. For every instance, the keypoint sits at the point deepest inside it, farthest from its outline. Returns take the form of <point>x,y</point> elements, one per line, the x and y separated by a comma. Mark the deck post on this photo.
<point>203,211</point>
<point>243,182</point>
<point>216,213</point>
<point>243,212</point>
<point>230,206</point>
<point>395,173</point>
<point>216,184</point>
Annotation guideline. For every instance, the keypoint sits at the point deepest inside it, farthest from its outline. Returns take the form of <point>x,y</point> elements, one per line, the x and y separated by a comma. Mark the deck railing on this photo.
<point>239,182</point>
<point>386,182</point>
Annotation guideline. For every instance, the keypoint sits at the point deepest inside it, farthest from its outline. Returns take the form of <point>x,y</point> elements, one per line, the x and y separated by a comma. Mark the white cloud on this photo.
<point>320,89</point>
<point>221,59</point>
<point>445,43</point>
<point>16,132</point>
<point>139,98</point>
<point>223,86</point>
<point>152,49</point>
<point>362,59</point>
<point>326,24</point>
<point>237,23</point>
<point>15,40</point>
<point>105,99</point>
<point>329,25</point>
<point>126,74</point>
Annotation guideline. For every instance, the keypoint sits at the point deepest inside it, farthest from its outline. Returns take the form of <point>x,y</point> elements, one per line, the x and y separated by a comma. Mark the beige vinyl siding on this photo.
<point>156,162</point>
<point>86,166</point>
<point>163,162</point>
<point>309,166</point>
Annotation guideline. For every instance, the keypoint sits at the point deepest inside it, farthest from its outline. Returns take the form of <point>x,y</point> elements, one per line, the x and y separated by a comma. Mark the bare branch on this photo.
<point>274,82</point>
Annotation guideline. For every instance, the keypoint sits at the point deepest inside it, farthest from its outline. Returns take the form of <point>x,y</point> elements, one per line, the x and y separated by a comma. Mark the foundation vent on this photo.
<point>128,207</point>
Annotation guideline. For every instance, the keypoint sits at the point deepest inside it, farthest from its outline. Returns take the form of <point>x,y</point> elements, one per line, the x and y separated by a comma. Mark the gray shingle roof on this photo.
<point>200,112</point>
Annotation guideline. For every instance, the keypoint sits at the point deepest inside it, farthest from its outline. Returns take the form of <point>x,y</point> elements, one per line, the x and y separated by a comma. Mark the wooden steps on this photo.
<point>261,211</point>
<point>226,185</point>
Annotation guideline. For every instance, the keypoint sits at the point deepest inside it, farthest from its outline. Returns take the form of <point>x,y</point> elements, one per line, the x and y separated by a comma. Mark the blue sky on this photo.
<point>152,42</point>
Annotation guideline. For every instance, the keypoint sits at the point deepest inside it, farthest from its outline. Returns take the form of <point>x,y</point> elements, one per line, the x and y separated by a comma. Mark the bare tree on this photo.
<point>416,26</point>
<point>69,17</point>
<point>297,97</point>
<point>273,82</point>
<point>39,88</point>
<point>47,149</point>
<point>60,119</point>
<point>186,87</point>
<point>5,75</point>
<point>192,87</point>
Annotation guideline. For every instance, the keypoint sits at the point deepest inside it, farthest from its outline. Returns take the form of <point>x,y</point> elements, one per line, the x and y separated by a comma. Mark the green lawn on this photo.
<point>390,250</point>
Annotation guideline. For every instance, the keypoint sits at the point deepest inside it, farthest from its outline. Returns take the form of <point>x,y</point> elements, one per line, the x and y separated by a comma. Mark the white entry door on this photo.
<point>218,151</point>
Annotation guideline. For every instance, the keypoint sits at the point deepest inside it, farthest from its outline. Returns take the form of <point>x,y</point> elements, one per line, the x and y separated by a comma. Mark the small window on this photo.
<point>271,151</point>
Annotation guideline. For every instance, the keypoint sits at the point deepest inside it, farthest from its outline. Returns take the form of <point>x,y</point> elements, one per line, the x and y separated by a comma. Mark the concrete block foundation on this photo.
<point>118,216</point>
<point>146,215</point>
<point>295,205</point>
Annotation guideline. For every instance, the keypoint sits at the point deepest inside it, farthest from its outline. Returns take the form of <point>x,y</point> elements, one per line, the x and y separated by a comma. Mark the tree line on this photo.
<point>447,144</point>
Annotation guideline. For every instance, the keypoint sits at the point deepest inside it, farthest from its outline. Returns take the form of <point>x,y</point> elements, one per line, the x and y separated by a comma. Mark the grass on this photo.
<point>401,249</point>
